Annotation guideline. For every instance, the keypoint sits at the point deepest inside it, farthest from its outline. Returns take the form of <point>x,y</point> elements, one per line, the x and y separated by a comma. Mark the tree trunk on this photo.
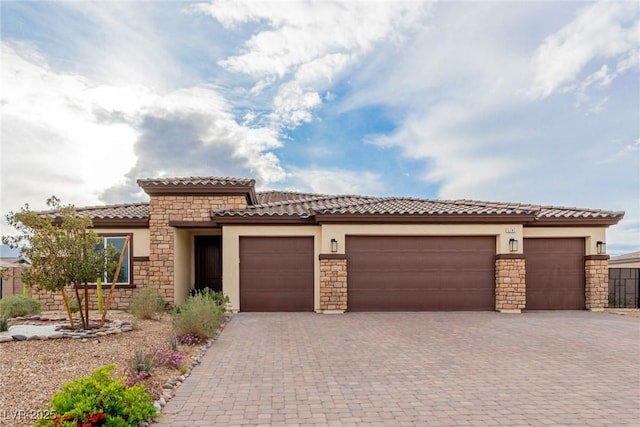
<point>84,322</point>
<point>86,303</point>
<point>67,308</point>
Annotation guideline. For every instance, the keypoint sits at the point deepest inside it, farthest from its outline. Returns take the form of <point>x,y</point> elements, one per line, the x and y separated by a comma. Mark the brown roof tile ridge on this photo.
<point>196,180</point>
<point>317,198</point>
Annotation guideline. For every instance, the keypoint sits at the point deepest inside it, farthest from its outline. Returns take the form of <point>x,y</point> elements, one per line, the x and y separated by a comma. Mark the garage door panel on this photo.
<point>390,300</point>
<point>420,273</point>
<point>276,274</point>
<point>555,273</point>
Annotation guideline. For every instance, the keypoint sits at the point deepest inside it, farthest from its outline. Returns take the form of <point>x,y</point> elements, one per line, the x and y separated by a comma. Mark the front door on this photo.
<point>208,262</point>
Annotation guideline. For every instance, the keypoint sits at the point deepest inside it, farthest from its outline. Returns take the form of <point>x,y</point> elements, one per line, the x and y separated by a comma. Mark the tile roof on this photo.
<point>207,181</point>
<point>265,197</point>
<point>306,205</point>
<point>566,212</point>
<point>121,211</point>
<point>295,205</point>
<point>411,206</point>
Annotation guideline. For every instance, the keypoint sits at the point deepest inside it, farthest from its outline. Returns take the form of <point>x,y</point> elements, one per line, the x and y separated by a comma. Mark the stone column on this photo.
<point>163,209</point>
<point>333,283</point>
<point>161,264</point>
<point>511,287</point>
<point>597,282</point>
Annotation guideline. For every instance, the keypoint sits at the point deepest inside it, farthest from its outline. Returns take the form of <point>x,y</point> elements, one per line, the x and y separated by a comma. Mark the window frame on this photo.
<point>104,237</point>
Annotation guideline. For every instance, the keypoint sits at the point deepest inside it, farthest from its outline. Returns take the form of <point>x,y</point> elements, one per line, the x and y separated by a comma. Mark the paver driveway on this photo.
<point>434,369</point>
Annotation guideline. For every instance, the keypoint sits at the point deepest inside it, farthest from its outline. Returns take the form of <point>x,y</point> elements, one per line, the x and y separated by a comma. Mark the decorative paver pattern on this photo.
<point>406,369</point>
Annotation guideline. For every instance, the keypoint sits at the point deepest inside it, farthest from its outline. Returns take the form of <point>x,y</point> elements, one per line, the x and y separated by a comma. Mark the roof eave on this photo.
<point>120,222</point>
<point>185,190</point>
<point>574,222</point>
<point>264,219</point>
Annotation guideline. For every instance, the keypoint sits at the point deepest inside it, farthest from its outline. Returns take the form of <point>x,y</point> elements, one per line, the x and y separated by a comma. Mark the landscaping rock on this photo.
<point>19,337</point>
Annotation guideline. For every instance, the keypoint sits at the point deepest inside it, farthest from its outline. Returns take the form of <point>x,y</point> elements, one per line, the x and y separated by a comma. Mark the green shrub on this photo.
<point>147,303</point>
<point>4,324</point>
<point>200,316</point>
<point>18,305</point>
<point>100,400</point>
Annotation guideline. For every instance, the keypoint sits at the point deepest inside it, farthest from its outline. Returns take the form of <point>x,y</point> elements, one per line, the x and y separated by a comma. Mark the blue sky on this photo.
<point>533,102</point>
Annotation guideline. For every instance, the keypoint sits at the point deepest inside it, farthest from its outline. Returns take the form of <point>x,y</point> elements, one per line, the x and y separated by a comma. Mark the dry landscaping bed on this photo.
<point>31,372</point>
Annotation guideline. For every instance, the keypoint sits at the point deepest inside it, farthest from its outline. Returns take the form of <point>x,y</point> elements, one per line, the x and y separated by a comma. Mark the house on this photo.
<point>289,251</point>
<point>624,281</point>
<point>11,277</point>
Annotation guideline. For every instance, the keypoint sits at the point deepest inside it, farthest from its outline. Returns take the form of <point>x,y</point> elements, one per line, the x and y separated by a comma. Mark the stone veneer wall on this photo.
<point>511,290</point>
<point>597,284</point>
<point>166,208</point>
<point>333,284</point>
<point>121,295</point>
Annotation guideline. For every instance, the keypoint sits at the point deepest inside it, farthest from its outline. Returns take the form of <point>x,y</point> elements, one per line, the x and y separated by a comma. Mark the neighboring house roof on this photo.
<point>9,262</point>
<point>625,259</point>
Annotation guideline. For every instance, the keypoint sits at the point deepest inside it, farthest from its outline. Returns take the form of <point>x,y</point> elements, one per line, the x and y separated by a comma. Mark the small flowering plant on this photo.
<point>141,364</point>
<point>169,358</point>
<point>189,339</point>
<point>140,368</point>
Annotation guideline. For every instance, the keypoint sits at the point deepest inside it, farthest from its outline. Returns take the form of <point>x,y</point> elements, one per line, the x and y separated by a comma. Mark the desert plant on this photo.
<point>99,400</point>
<point>147,303</point>
<point>141,363</point>
<point>4,324</point>
<point>19,305</point>
<point>200,316</point>
<point>173,342</point>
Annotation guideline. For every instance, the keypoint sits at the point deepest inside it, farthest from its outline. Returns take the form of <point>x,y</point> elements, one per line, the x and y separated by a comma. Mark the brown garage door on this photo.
<point>420,273</point>
<point>276,274</point>
<point>555,274</point>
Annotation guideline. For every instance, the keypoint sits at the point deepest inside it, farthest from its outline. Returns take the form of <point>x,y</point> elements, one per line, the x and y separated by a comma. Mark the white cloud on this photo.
<point>603,31</point>
<point>66,134</point>
<point>54,130</point>
<point>456,161</point>
<point>336,181</point>
<point>306,45</point>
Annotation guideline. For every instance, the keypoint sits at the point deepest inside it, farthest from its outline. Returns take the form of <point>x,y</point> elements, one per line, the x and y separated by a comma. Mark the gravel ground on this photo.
<point>31,372</point>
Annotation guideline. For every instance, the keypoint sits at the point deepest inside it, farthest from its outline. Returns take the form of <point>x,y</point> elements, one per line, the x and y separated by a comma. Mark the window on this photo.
<point>124,278</point>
